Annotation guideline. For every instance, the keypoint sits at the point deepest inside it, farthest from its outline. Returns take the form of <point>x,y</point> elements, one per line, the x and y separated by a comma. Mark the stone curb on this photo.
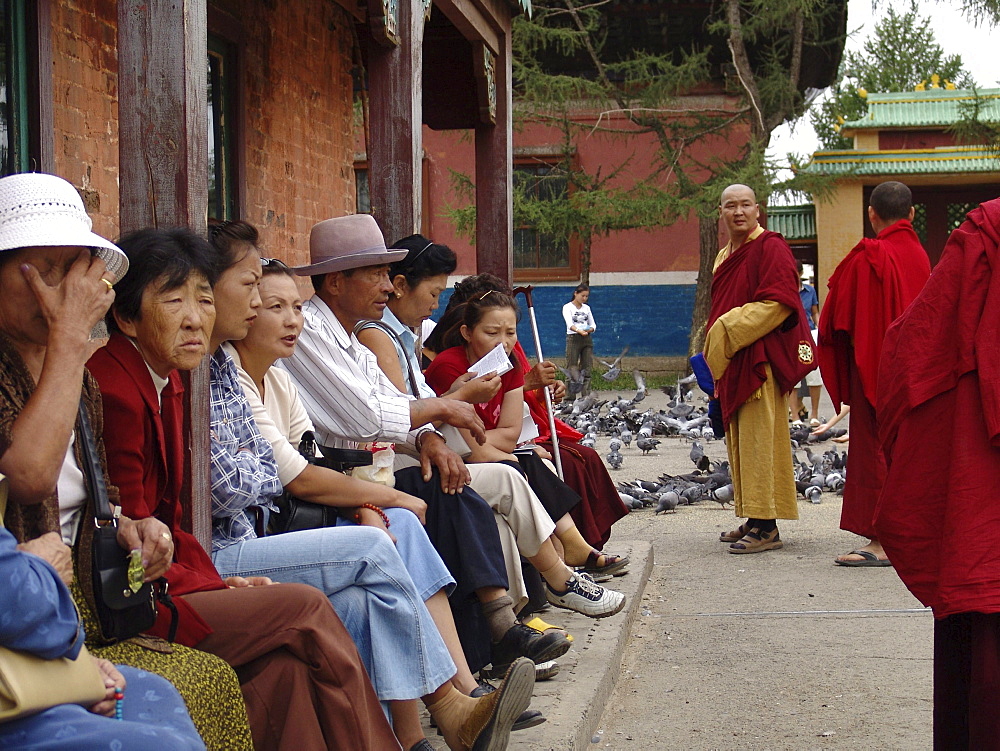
<point>574,701</point>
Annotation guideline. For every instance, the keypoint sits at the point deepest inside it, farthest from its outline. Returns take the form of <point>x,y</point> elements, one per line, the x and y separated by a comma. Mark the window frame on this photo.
<point>226,39</point>
<point>574,246</point>
<point>31,123</point>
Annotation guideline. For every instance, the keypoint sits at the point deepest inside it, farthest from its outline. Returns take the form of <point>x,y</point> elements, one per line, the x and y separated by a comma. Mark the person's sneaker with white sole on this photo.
<point>584,596</point>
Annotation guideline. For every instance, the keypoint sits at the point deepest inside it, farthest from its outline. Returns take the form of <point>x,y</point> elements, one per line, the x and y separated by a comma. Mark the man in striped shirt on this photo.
<point>350,401</point>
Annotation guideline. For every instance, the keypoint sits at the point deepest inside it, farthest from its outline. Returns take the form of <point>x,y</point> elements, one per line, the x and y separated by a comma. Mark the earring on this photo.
<point>398,295</point>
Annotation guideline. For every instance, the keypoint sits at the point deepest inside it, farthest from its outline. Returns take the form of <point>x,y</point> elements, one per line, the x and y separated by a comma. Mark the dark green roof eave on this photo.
<point>940,161</point>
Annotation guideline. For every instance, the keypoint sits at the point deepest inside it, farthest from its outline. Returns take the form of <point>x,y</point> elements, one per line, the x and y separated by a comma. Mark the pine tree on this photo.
<point>900,55</point>
<point>563,67</point>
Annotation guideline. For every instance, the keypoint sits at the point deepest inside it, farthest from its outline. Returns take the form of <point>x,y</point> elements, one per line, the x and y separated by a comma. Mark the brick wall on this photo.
<point>298,119</point>
<point>85,90</point>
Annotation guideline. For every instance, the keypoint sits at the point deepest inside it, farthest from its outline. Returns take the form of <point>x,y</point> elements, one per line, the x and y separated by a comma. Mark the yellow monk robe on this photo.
<point>760,456</point>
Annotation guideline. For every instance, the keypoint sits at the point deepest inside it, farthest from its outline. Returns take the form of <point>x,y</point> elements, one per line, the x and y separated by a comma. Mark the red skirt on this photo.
<point>600,507</point>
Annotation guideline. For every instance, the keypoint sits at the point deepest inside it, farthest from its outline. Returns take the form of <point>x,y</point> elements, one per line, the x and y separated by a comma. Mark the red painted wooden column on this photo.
<point>163,167</point>
<point>494,164</point>
<point>395,149</point>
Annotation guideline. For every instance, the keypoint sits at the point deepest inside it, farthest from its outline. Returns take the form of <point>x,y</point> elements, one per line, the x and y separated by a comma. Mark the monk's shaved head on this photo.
<point>735,189</point>
<point>891,201</point>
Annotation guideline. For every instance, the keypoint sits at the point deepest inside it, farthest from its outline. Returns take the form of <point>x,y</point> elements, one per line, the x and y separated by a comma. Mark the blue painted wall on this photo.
<point>653,320</point>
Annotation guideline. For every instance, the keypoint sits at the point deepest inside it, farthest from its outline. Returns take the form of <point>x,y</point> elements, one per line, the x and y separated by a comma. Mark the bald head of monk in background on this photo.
<point>890,201</point>
<point>740,212</point>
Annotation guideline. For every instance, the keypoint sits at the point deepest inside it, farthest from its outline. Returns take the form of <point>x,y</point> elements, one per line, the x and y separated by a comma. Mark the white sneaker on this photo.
<point>586,597</point>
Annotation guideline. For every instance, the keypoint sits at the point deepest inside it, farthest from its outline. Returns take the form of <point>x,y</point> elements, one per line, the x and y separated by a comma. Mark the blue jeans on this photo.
<point>153,713</point>
<point>361,573</point>
<point>422,561</point>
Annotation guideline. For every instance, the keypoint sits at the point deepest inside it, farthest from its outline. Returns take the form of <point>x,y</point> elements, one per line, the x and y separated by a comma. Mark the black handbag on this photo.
<point>294,514</point>
<point>121,613</point>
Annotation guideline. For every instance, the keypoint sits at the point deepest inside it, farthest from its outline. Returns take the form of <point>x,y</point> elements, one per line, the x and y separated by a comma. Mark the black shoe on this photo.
<point>529,718</point>
<point>523,641</point>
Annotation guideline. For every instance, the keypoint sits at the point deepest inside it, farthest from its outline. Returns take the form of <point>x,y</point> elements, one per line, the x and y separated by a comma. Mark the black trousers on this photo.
<point>967,682</point>
<point>462,529</point>
<point>557,497</point>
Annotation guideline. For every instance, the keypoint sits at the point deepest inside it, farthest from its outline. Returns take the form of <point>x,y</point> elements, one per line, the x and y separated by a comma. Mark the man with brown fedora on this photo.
<point>351,401</point>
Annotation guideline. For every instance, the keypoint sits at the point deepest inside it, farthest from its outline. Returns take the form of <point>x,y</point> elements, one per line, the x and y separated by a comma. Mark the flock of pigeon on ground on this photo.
<point>625,422</point>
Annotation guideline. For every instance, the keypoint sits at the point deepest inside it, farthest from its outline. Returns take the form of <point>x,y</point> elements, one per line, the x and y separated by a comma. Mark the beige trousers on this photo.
<point>521,519</point>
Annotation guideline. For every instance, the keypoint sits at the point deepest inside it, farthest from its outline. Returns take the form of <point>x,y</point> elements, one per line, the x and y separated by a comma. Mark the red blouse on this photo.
<point>452,363</point>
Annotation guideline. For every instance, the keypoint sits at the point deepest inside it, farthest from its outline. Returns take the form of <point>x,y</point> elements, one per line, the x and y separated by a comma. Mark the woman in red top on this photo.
<point>470,331</point>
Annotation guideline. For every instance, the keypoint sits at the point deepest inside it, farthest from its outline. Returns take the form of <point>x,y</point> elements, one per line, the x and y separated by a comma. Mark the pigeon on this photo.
<point>667,502</point>
<point>613,369</point>
<point>626,436</point>
<point>615,460</point>
<point>814,494</point>
<point>647,444</point>
<point>615,445</point>
<point>640,387</point>
<point>574,381</point>
<point>693,494</point>
<point>723,495</point>
<point>697,452</point>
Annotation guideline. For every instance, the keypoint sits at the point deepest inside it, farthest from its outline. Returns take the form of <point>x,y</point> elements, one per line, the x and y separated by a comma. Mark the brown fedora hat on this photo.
<point>347,242</point>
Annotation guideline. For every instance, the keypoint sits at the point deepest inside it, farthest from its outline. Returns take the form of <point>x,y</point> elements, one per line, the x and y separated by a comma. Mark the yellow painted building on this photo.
<point>906,136</point>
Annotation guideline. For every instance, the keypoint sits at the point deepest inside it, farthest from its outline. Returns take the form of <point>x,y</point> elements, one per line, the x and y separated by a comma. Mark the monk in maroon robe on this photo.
<point>758,347</point>
<point>870,288</point>
<point>939,515</point>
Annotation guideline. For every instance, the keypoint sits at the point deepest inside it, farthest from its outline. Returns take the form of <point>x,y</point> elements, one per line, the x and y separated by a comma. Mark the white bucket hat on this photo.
<point>38,210</point>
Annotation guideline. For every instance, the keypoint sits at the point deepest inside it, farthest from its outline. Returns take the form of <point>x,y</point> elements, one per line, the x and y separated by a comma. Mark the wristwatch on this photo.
<point>419,438</point>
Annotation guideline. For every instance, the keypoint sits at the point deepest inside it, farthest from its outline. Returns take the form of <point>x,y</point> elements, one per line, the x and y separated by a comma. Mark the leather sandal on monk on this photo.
<point>735,535</point>
<point>868,559</point>
<point>756,541</point>
<point>614,565</point>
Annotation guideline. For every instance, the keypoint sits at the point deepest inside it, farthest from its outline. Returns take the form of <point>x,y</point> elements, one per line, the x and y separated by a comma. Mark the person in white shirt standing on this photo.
<point>580,326</point>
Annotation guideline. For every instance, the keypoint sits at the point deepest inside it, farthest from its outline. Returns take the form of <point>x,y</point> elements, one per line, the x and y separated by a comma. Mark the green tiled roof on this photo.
<point>794,222</point>
<point>916,109</point>
<point>940,161</point>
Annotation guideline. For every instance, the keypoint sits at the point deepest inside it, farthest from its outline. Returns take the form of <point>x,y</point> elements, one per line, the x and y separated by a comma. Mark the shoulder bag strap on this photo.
<point>414,389</point>
<point>92,469</point>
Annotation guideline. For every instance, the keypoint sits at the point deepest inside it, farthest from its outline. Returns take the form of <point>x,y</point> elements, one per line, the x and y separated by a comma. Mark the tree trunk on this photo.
<point>585,259</point>
<point>708,242</point>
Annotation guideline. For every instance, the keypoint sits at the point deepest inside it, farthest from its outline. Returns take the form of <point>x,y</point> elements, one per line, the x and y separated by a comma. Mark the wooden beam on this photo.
<point>494,178</point>
<point>163,167</point>
<point>468,18</point>
<point>395,152</point>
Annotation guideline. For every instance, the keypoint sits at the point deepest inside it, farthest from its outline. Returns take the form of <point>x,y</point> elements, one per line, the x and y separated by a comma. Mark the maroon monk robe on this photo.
<point>583,470</point>
<point>939,419</point>
<point>938,517</point>
<point>760,270</point>
<point>871,287</point>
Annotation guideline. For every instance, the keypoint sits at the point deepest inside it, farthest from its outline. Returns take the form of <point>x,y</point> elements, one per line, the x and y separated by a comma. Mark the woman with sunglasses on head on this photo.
<point>418,279</point>
<point>583,468</point>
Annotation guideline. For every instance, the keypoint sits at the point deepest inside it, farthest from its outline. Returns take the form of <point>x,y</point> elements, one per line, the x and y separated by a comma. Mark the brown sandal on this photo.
<point>735,535</point>
<point>756,541</point>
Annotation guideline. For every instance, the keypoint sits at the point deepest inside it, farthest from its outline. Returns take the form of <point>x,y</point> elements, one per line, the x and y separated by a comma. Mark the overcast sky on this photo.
<point>952,31</point>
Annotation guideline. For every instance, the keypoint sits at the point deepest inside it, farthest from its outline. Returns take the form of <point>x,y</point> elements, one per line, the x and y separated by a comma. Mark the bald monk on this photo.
<point>939,517</point>
<point>871,287</point>
<point>758,347</point>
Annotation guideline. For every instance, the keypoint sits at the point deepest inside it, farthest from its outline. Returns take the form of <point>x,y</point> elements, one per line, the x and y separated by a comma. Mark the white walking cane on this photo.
<point>526,291</point>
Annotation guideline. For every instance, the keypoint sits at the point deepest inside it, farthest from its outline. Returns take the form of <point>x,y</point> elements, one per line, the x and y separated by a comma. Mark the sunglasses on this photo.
<point>273,263</point>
